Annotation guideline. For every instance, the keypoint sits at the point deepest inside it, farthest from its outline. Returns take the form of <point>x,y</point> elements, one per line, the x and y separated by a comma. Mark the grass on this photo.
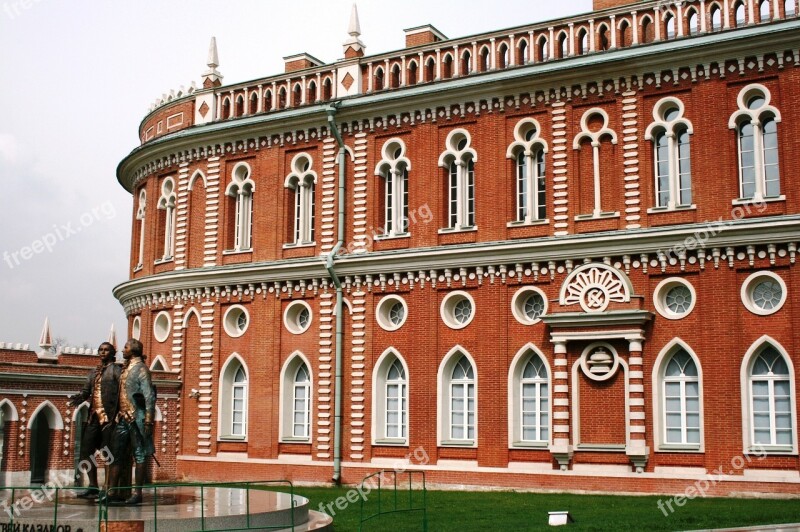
<point>465,511</point>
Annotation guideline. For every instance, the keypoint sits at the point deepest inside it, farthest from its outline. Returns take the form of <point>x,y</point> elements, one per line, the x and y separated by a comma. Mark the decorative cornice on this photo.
<point>565,320</point>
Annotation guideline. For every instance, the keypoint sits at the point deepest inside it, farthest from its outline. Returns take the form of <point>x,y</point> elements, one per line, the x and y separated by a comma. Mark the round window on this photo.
<point>297,317</point>
<point>764,293</point>
<point>674,298</point>
<point>457,310</point>
<point>528,305</point>
<point>161,327</point>
<point>391,313</point>
<point>236,321</point>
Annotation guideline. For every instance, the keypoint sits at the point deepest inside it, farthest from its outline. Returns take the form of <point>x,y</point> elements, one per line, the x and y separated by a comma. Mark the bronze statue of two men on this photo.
<point>121,415</point>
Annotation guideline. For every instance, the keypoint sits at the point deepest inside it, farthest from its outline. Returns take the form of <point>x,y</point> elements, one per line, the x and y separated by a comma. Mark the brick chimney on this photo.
<point>423,35</point>
<point>300,62</point>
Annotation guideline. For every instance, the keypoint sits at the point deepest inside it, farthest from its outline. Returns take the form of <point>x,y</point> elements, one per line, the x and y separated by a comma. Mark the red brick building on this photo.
<point>560,255</point>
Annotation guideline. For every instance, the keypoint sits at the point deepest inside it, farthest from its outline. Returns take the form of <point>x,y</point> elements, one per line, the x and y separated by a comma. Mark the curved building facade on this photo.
<point>560,255</point>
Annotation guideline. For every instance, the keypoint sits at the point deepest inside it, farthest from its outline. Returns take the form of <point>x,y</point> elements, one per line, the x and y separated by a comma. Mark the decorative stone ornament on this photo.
<point>594,286</point>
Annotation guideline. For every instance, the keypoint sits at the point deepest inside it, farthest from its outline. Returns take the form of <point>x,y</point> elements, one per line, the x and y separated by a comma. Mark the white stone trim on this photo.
<point>749,284</point>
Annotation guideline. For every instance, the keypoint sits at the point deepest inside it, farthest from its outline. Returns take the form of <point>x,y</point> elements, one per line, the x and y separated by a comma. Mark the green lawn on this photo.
<point>489,511</point>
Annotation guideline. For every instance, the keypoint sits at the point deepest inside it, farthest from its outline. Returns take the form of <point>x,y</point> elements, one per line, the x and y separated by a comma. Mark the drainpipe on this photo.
<point>337,398</point>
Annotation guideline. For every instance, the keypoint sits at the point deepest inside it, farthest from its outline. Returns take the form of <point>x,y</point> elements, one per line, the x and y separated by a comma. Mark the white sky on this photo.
<point>76,78</point>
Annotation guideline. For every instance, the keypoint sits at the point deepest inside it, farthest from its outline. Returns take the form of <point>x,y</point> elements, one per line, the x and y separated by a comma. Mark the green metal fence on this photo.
<point>29,496</point>
<point>388,501</point>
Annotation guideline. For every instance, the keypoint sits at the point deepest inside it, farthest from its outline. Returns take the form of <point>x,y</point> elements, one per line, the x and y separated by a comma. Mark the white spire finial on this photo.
<point>354,28</point>
<point>353,47</point>
<point>112,336</point>
<point>212,77</point>
<point>213,56</point>
<point>46,339</point>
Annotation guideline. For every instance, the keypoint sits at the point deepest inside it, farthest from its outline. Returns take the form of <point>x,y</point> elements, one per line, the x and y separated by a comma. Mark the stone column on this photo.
<point>636,448</point>
<point>561,448</point>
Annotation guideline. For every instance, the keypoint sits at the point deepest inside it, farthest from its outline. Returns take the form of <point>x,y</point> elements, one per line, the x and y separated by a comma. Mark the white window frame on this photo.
<point>302,182</point>
<point>659,398</point>
<point>393,168</point>
<point>444,392</point>
<point>671,130</point>
<point>757,118</point>
<point>749,284</point>
<point>747,399</point>
<point>527,199</point>
<point>595,138</point>
<point>459,163</point>
<point>515,398</point>
<point>226,398</point>
<point>380,386</point>
<point>288,396</point>
<point>660,295</point>
<point>167,203</point>
<point>241,189</point>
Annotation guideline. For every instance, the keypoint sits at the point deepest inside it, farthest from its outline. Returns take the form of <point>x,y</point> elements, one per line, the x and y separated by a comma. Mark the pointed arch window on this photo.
<point>458,160</point>
<point>770,405</point>
<point>391,400</point>
<point>167,203</point>
<point>522,52</point>
<point>483,62</point>
<point>462,401</point>
<point>756,125</point>
<point>393,167</point>
<point>739,14</point>
<point>681,400</point>
<point>530,400</point>
<point>233,399</point>
<point>141,211</point>
<point>670,133</point>
<point>301,184</point>
<point>466,63</point>
<point>595,132</point>
<point>789,8</point>
<point>716,17</point>
<point>296,400</point>
<point>528,152</point>
<point>240,190</point>
<point>413,73</point>
<point>253,104</point>
<point>301,403</point>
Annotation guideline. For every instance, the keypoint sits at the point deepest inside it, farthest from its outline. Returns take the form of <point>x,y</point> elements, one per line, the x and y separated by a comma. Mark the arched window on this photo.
<point>447,67</point>
<point>502,56</point>
<point>301,183</point>
<point>391,399</point>
<point>562,51</point>
<point>595,133</point>
<point>233,399</point>
<point>647,30</point>
<point>583,41</point>
<point>267,100</point>
<point>311,95</point>
<point>756,124</point>
<point>528,152</point>
<point>670,133</point>
<point>166,203</point>
<point>141,211</point>
<point>522,52</point>
<point>789,8</point>
<point>413,73</point>
<point>694,22</point>
<point>253,109</point>
<point>301,404</point>
<point>226,108</point>
<point>239,105</point>
<point>296,396</point>
<point>327,89</point>
<point>602,38</point>
<point>716,18</point>
<point>430,70</point>
<point>681,400</point>
<point>764,11</point>
<point>466,63</point>
<point>457,394</point>
<point>240,190</point>
<point>282,98</point>
<point>458,160</point>
<point>543,49</point>
<point>529,396</point>
<point>297,95</point>
<point>393,167</point>
<point>669,26</point>
<point>483,64</point>
<point>395,77</point>
<point>739,14</point>
<point>625,34</point>
<point>770,409</point>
